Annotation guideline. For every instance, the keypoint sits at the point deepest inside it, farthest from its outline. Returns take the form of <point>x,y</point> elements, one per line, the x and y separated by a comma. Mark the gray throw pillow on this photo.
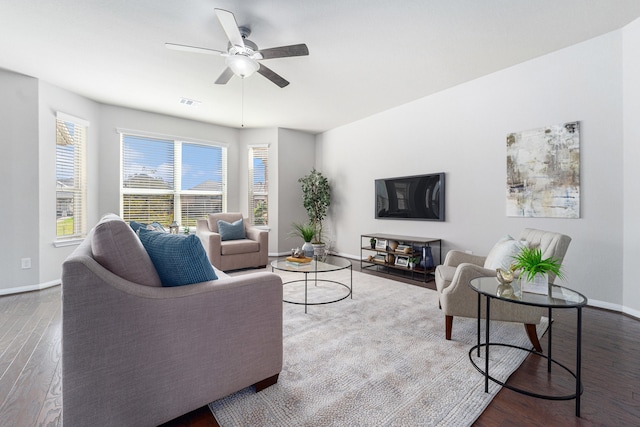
<point>233,231</point>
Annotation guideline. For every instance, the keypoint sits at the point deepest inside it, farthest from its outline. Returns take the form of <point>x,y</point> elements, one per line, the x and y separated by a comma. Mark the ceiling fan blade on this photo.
<point>193,49</point>
<point>230,27</point>
<point>225,76</point>
<point>285,51</point>
<point>271,75</point>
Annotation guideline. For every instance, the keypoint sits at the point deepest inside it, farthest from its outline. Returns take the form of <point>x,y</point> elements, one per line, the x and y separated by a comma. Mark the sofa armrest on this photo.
<point>129,346</point>
<point>210,241</point>
<point>455,258</point>
<point>258,235</point>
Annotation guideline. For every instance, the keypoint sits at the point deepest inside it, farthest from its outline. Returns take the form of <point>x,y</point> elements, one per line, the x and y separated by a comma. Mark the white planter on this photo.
<point>308,249</point>
<point>539,285</point>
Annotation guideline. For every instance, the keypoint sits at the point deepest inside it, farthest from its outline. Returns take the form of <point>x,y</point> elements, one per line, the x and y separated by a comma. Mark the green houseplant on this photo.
<point>530,262</point>
<point>316,198</point>
<point>306,232</point>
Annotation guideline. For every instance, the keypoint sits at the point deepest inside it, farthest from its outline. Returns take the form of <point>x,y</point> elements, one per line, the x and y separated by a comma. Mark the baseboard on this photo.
<point>29,288</point>
<point>615,307</point>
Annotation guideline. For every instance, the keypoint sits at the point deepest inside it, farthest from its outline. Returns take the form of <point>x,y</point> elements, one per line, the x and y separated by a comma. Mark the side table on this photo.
<point>559,297</point>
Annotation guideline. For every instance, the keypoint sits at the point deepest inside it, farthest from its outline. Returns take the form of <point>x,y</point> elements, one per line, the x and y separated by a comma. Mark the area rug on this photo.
<point>379,359</point>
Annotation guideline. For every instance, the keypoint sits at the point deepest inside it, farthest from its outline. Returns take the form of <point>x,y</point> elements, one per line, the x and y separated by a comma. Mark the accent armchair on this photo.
<point>234,254</point>
<point>458,299</point>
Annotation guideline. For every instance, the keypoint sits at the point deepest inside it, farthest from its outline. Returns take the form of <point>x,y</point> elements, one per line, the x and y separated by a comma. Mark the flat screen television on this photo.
<point>418,197</point>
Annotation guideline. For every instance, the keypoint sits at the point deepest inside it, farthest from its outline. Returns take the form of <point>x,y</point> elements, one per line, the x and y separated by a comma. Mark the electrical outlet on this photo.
<point>26,263</point>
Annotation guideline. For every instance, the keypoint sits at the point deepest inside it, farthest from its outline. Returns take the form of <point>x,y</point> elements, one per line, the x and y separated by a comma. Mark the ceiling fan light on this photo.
<point>241,65</point>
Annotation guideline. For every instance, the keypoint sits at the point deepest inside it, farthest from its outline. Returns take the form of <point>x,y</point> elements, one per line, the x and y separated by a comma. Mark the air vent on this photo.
<point>189,102</point>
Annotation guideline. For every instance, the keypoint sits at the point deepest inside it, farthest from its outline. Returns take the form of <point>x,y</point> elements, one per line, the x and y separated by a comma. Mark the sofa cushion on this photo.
<point>180,259</point>
<point>502,253</point>
<point>117,248</point>
<point>243,246</point>
<point>231,231</point>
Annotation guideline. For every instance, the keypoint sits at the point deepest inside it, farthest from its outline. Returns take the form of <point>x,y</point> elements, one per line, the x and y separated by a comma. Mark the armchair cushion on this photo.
<point>502,253</point>
<point>243,246</point>
<point>231,231</point>
<point>116,247</point>
<point>179,259</point>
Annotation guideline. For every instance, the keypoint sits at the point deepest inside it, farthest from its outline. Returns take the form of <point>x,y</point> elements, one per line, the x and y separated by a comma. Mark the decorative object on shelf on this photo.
<point>404,249</point>
<point>505,277</point>
<point>543,172</point>
<point>381,244</point>
<point>174,227</point>
<point>393,245</point>
<point>402,261</point>
<point>372,241</point>
<point>316,198</point>
<point>187,230</point>
<point>380,259</point>
<point>534,270</point>
<point>306,232</point>
<point>391,259</point>
<point>413,261</point>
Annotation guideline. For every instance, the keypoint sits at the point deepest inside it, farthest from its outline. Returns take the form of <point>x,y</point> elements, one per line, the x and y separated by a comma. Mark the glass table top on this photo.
<point>559,297</point>
<point>332,263</point>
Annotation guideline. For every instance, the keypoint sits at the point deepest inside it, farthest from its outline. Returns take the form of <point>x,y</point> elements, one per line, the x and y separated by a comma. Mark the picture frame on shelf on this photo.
<point>402,261</point>
<point>381,244</point>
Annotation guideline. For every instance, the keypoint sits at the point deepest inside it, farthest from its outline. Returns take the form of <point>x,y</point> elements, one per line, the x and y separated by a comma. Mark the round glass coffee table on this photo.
<point>314,268</point>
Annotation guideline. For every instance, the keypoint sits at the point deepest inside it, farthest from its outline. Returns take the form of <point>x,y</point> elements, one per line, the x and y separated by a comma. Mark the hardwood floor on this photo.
<point>31,392</point>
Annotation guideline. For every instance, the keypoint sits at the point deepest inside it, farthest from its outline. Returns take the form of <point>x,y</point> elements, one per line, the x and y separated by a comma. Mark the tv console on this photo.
<point>389,258</point>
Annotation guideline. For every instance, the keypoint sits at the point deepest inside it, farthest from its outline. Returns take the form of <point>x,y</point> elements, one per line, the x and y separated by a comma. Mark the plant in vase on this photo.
<point>316,198</point>
<point>413,261</point>
<point>372,241</point>
<point>535,270</point>
<point>306,232</point>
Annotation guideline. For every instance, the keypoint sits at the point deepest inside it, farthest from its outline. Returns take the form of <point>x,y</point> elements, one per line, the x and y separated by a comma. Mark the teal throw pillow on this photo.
<point>231,231</point>
<point>153,226</point>
<point>179,259</point>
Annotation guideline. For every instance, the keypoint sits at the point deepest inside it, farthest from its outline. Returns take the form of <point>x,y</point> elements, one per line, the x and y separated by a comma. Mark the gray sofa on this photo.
<point>138,354</point>
<point>252,251</point>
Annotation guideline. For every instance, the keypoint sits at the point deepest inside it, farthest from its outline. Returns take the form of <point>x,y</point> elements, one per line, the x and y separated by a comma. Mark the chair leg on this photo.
<point>448,324</point>
<point>267,382</point>
<point>533,336</point>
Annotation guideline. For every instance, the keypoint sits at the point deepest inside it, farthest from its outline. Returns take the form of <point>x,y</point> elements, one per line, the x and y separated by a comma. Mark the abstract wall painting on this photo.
<point>543,172</point>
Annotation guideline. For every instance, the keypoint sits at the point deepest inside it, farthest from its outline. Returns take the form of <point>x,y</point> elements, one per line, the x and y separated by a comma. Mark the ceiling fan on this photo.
<point>242,54</point>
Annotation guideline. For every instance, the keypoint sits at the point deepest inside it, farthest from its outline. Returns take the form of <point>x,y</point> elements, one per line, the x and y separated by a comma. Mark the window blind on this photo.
<point>165,180</point>
<point>71,137</point>
<point>259,185</point>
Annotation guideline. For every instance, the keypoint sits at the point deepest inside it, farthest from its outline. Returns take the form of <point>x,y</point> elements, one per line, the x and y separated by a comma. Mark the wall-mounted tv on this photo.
<point>418,197</point>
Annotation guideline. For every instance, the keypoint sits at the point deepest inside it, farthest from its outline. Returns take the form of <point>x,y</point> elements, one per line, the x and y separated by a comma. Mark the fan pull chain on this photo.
<point>242,105</point>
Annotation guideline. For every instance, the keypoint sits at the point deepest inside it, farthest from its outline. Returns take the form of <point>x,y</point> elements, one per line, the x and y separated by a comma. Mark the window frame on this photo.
<point>251,178</point>
<point>176,192</point>
<point>79,188</point>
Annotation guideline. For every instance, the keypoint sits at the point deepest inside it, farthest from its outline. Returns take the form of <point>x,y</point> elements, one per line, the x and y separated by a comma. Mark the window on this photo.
<point>165,180</point>
<point>71,193</point>
<point>259,185</point>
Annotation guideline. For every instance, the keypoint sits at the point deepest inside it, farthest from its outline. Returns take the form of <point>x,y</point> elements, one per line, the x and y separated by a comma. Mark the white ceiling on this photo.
<point>366,56</point>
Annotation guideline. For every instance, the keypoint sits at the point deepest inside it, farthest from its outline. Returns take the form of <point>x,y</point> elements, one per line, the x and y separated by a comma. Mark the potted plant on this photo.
<point>372,241</point>
<point>413,261</point>
<point>534,271</point>
<point>306,232</point>
<point>316,198</point>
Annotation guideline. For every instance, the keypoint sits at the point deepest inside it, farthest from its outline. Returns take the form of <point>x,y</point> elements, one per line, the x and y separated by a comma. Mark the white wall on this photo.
<point>631,79</point>
<point>19,177</point>
<point>462,132</point>
<point>296,158</point>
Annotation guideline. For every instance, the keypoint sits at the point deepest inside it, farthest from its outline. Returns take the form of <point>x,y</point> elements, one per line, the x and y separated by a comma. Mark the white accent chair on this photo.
<point>459,268</point>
